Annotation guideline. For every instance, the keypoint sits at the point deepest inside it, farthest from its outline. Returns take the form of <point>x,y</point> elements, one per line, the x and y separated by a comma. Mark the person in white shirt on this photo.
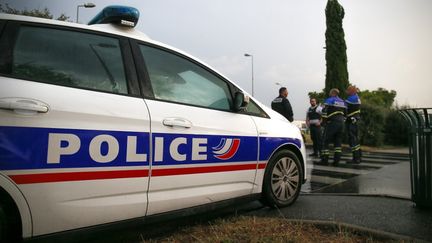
<point>313,121</point>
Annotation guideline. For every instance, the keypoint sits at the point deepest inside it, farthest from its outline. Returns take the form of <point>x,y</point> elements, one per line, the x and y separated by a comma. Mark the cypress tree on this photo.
<point>336,58</point>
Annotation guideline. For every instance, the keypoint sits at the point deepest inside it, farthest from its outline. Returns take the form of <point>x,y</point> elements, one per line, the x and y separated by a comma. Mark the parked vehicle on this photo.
<point>99,124</point>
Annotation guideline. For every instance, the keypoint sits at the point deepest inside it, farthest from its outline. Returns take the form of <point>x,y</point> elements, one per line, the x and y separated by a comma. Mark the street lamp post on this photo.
<point>249,55</point>
<point>85,5</point>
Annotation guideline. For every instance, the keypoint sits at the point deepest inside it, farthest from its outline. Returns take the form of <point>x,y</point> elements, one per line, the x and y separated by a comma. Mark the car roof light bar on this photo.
<point>123,15</point>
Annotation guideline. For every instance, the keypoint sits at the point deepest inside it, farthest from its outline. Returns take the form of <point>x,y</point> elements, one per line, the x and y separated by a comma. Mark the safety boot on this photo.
<point>355,157</point>
<point>337,158</point>
<point>324,160</point>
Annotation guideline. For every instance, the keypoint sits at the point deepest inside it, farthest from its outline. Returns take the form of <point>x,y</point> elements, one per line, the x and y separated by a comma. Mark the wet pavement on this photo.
<point>380,173</point>
<point>374,194</point>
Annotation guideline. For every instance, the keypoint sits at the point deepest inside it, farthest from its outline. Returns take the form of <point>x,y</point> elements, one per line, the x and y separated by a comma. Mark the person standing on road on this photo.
<point>353,116</point>
<point>333,119</point>
<point>313,121</point>
<point>282,105</point>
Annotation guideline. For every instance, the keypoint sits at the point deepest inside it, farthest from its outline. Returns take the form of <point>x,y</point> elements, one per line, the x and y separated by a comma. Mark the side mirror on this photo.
<point>240,101</point>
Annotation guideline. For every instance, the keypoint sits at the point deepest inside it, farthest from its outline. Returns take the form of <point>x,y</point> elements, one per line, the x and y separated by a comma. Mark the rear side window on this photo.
<point>69,58</point>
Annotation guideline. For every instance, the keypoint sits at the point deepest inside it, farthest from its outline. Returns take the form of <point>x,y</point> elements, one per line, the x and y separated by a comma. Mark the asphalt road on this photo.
<point>382,214</point>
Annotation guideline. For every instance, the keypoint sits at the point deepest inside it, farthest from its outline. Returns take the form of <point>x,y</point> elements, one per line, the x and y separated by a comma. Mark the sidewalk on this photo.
<point>389,215</point>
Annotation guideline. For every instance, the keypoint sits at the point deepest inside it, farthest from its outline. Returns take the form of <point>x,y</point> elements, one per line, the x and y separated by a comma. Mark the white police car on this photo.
<point>100,124</point>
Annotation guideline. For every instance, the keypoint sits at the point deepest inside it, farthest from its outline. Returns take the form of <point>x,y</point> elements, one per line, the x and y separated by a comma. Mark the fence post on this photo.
<point>420,136</point>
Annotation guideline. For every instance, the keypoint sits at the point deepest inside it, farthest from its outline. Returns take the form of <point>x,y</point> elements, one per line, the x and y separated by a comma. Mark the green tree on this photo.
<point>336,58</point>
<point>63,17</point>
<point>319,96</point>
<point>376,107</point>
<point>44,13</point>
<point>381,122</point>
<point>380,97</point>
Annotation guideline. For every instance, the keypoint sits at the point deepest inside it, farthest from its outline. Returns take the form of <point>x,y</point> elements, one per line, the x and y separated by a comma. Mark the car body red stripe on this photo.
<point>77,176</point>
<point>101,175</point>
<point>262,165</point>
<point>232,151</point>
<point>198,170</point>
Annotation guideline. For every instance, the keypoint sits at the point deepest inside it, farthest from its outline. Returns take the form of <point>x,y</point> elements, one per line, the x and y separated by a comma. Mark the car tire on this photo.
<point>282,179</point>
<point>3,225</point>
<point>8,224</point>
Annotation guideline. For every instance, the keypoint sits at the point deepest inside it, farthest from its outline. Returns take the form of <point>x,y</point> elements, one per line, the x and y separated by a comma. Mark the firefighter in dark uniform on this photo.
<point>333,119</point>
<point>353,116</point>
<point>282,105</point>
<point>313,121</point>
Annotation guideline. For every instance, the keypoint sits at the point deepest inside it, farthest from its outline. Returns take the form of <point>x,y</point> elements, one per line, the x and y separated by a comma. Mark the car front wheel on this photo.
<point>282,179</point>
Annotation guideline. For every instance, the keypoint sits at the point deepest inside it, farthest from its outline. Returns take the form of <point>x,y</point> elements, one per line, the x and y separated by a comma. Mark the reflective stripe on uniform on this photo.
<point>335,113</point>
<point>353,113</point>
<point>355,148</point>
<point>325,152</point>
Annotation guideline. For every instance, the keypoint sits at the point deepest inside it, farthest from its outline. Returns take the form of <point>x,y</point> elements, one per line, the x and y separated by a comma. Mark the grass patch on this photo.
<point>258,229</point>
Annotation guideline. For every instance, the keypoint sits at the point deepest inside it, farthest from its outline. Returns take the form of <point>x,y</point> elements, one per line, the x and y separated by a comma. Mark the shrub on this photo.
<point>371,125</point>
<point>395,129</point>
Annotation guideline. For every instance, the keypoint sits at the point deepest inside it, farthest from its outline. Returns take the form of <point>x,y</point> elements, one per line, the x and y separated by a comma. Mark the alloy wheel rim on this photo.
<point>285,179</point>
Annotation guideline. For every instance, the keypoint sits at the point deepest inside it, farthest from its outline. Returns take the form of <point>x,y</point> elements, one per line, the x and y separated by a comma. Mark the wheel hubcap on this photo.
<point>285,179</point>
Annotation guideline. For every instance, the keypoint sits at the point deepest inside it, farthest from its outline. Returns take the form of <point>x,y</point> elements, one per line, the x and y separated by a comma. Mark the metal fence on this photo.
<point>420,138</point>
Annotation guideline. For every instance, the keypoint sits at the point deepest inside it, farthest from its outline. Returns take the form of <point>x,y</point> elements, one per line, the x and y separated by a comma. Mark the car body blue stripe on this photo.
<point>269,144</point>
<point>27,148</point>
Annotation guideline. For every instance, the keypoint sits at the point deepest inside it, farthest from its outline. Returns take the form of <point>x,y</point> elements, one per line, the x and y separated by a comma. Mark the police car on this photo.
<point>100,124</point>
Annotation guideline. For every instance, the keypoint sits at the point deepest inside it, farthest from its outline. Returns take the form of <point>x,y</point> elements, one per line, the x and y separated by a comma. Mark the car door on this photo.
<point>202,151</point>
<point>74,131</point>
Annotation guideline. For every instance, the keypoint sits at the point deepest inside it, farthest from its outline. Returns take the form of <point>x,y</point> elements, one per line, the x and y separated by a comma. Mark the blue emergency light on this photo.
<point>115,14</point>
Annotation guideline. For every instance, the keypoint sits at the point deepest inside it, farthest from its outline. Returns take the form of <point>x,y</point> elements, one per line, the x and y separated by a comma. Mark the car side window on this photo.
<point>177,79</point>
<point>69,58</point>
<point>253,109</point>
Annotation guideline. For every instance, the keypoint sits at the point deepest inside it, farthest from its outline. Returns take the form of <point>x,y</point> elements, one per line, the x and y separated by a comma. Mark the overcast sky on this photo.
<point>389,41</point>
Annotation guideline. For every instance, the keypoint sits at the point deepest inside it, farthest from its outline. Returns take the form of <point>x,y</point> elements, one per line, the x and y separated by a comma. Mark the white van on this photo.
<point>100,124</point>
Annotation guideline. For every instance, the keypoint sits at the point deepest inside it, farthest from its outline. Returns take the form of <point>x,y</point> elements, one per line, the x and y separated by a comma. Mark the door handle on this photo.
<point>23,104</point>
<point>177,122</point>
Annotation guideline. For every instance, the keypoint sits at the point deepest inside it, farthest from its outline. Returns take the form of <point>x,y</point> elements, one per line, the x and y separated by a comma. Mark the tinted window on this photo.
<point>69,58</point>
<point>253,109</point>
<point>176,79</point>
